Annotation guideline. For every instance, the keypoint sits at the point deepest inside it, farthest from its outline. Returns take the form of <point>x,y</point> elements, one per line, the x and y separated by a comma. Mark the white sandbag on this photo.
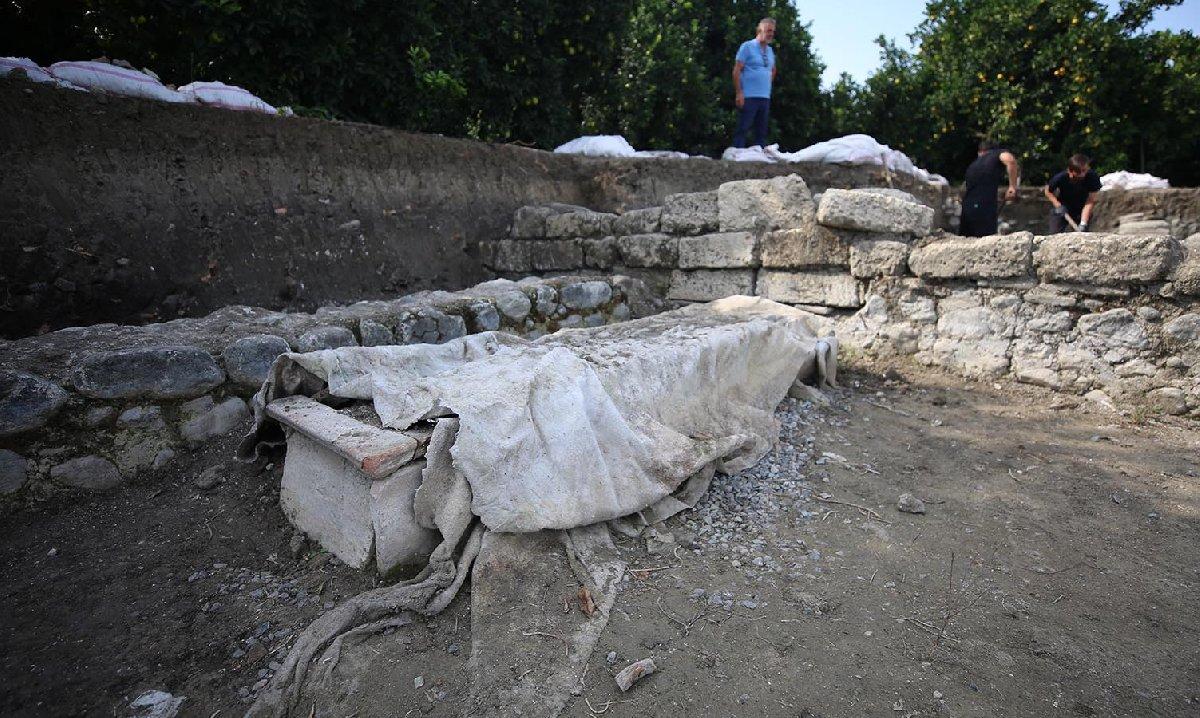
<point>231,97</point>
<point>103,77</point>
<point>670,154</point>
<point>1132,180</point>
<point>746,154</point>
<point>32,70</point>
<point>597,146</point>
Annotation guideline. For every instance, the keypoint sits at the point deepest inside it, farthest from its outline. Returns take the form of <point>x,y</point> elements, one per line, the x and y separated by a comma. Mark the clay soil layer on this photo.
<point>1054,573</point>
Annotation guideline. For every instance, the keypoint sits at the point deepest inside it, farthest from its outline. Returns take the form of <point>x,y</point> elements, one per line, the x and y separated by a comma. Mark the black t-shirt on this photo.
<point>1074,193</point>
<point>983,178</point>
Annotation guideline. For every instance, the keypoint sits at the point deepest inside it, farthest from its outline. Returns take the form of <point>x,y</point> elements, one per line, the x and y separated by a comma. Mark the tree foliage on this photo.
<point>1046,77</point>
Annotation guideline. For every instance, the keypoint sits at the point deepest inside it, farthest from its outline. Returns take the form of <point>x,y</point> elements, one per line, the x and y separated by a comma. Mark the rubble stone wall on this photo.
<point>1114,315</point>
<point>133,211</point>
<point>90,407</point>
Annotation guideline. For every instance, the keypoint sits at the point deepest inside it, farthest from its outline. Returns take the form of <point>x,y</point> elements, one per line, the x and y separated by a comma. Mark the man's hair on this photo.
<point>1079,163</point>
<point>987,144</point>
<point>766,21</point>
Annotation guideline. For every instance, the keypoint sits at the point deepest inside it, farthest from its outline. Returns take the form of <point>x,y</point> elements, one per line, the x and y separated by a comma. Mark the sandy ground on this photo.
<point>1053,573</point>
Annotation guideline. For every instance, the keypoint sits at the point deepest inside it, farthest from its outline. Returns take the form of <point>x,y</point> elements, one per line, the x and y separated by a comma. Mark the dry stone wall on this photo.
<point>90,407</point>
<point>1110,315</point>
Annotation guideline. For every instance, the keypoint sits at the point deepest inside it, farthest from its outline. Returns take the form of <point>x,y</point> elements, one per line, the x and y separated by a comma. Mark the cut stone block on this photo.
<point>530,222</point>
<point>399,539</point>
<point>831,289</point>
<point>323,495</point>
<point>638,221</point>
<point>649,250</point>
<point>690,213</point>
<point>811,246</point>
<point>873,212</point>
<point>878,257</point>
<point>373,451</point>
<point>704,285</point>
<point>580,224</point>
<point>728,249</point>
<point>170,372</point>
<point>601,253</point>
<point>525,255</point>
<point>974,257</point>
<point>1105,259</point>
<point>764,204</point>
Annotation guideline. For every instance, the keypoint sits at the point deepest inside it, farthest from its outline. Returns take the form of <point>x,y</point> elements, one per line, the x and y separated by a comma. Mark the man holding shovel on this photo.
<point>1073,193</point>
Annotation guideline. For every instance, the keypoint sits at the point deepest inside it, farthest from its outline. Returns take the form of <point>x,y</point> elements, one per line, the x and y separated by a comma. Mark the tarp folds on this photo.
<point>587,425</point>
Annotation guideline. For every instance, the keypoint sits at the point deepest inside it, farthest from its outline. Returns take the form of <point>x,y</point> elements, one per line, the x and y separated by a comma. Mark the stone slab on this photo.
<point>638,221</point>
<point>649,250</point>
<point>690,213</point>
<point>764,204</point>
<point>373,451</point>
<point>823,288</point>
<point>809,246</point>
<point>168,372</point>
<point>718,251</point>
<point>399,540</point>
<point>1106,259</point>
<point>877,257</point>
<point>874,212</point>
<point>704,285</point>
<point>326,497</point>
<point>994,257</point>
<point>580,224</point>
<point>526,255</point>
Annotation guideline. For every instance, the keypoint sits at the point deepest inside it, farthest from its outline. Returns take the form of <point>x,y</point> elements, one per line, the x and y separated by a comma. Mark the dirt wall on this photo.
<point>124,210</point>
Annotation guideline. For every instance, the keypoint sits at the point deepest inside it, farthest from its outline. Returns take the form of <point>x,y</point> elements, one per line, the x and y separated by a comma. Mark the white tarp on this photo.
<point>1132,180</point>
<point>230,97</point>
<point>566,432</point>
<point>589,425</point>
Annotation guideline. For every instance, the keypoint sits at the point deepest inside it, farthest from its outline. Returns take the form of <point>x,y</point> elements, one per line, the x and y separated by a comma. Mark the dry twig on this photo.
<point>870,513</point>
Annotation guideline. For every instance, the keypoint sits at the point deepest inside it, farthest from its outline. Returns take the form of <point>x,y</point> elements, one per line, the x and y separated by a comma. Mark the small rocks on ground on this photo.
<point>209,478</point>
<point>910,504</point>
<point>634,672</point>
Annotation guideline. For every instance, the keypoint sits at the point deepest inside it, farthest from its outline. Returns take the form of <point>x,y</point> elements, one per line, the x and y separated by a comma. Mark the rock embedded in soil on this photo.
<point>27,402</point>
<point>14,471</point>
<point>87,472</point>
<point>170,372</point>
<point>248,359</point>
<point>634,672</point>
<point>910,504</point>
<point>209,478</point>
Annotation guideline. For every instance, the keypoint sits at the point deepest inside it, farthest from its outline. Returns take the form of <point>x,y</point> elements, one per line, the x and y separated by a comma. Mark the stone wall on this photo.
<point>133,211</point>
<point>1114,314</point>
<point>88,408</point>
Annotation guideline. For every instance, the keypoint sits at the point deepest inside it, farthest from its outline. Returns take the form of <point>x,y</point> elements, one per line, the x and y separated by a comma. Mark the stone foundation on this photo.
<point>90,407</point>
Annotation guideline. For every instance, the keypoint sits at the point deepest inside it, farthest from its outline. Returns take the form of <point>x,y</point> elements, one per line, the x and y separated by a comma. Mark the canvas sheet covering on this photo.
<point>585,425</point>
<point>540,443</point>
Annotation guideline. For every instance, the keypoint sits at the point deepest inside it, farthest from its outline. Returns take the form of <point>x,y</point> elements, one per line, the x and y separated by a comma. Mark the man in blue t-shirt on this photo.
<point>753,73</point>
<point>1073,194</point>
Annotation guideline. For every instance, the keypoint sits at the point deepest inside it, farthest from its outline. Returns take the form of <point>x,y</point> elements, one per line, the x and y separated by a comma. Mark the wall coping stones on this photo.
<point>1105,259</point>
<point>994,257</point>
<point>690,213</point>
<point>874,212</point>
<point>27,402</point>
<point>584,223</point>
<point>764,204</point>
<point>168,372</point>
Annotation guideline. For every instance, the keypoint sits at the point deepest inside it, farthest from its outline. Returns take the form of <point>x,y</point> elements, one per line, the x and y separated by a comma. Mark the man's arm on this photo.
<point>1052,197</point>
<point>738,98</point>
<point>1088,206</point>
<point>1013,174</point>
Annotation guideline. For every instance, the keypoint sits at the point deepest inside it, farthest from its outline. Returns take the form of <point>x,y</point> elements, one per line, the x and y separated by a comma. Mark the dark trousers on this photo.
<point>752,115</point>
<point>979,219</point>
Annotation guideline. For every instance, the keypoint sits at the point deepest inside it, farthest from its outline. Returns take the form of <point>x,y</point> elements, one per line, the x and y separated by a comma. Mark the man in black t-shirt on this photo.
<point>1073,193</point>
<point>980,207</point>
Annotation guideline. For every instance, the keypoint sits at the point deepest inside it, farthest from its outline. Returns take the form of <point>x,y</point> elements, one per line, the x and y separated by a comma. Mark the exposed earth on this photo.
<point>1053,572</point>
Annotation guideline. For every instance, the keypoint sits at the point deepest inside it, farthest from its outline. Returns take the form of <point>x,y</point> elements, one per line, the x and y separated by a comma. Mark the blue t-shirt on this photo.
<point>758,63</point>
